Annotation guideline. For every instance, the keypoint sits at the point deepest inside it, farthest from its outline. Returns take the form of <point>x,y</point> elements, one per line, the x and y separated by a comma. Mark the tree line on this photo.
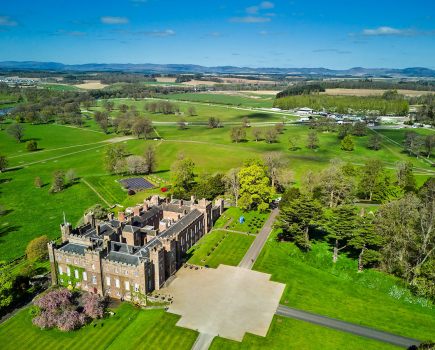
<point>345,104</point>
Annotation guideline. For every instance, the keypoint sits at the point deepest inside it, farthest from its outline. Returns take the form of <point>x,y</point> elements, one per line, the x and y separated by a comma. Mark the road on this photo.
<point>256,246</point>
<point>346,327</point>
<point>203,341</point>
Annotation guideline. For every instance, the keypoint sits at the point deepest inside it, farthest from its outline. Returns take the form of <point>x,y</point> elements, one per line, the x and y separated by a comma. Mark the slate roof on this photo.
<point>181,224</point>
<point>74,248</point>
<point>124,258</point>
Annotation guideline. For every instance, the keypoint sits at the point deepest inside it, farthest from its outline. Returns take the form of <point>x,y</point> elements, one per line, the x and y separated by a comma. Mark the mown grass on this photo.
<point>226,113</point>
<point>226,99</point>
<point>253,223</point>
<point>129,328</point>
<point>372,298</point>
<point>286,333</point>
<point>220,247</point>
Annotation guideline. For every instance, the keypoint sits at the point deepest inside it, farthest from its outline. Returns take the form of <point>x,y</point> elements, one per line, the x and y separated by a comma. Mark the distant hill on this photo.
<point>191,68</point>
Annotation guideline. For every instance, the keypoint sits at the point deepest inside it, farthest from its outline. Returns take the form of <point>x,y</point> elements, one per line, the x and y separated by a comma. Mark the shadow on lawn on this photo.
<point>8,229</point>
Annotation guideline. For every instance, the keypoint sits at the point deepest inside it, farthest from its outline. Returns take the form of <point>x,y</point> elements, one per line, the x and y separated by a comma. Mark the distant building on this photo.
<point>305,111</point>
<point>133,255</point>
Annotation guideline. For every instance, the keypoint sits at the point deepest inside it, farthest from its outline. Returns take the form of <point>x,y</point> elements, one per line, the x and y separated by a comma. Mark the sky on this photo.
<point>250,33</point>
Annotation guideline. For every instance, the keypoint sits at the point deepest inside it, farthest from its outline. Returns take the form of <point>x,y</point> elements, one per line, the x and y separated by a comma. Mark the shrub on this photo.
<point>32,146</point>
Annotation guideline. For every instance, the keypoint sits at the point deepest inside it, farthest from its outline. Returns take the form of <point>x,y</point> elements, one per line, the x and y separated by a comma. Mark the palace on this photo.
<point>134,254</point>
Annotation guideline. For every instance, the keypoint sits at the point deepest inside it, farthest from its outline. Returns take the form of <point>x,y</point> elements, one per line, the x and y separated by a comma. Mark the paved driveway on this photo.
<point>228,301</point>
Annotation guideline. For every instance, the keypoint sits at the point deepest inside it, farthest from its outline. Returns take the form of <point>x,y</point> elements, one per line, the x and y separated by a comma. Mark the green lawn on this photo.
<point>129,328</point>
<point>220,247</point>
<point>226,113</point>
<point>227,99</point>
<point>254,220</point>
<point>286,333</point>
<point>370,298</point>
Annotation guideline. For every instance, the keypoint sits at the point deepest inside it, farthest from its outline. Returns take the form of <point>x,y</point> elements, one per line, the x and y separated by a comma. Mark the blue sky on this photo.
<point>331,34</point>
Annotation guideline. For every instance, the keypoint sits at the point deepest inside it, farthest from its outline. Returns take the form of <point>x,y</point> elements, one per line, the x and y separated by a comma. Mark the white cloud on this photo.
<point>265,5</point>
<point>114,20</point>
<point>160,33</point>
<point>7,22</point>
<point>387,31</point>
<point>250,19</point>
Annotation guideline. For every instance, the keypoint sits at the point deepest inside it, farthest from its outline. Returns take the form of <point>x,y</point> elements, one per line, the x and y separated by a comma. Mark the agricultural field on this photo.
<point>220,247</point>
<point>371,92</point>
<point>129,328</point>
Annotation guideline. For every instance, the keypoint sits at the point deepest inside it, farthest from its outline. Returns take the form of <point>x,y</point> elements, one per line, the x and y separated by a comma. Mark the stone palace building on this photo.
<point>134,254</point>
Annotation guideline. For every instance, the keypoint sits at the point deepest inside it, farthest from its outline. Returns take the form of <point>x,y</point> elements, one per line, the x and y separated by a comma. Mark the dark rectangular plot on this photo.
<point>136,183</point>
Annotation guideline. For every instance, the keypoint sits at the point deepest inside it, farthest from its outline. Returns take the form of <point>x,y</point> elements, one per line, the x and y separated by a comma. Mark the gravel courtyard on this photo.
<point>227,301</point>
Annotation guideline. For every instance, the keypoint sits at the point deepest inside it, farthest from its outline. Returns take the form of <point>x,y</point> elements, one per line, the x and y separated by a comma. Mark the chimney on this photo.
<point>136,211</point>
<point>192,199</point>
<point>145,206</point>
<point>121,216</point>
<point>181,203</point>
<point>110,216</point>
<point>98,229</point>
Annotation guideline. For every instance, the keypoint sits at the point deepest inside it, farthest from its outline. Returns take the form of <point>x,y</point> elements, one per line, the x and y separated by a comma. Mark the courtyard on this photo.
<point>227,302</point>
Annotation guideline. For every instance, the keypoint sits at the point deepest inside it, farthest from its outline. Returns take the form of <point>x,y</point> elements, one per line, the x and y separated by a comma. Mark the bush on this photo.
<point>32,146</point>
<point>37,249</point>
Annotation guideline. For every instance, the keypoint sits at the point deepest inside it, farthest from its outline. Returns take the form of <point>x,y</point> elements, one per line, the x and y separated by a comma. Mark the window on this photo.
<point>118,293</point>
<point>85,276</point>
<point>126,272</point>
<point>93,266</point>
<point>76,273</point>
<point>136,273</point>
<point>68,271</point>
<point>136,287</point>
<point>127,285</point>
<point>117,283</point>
<point>108,281</point>
<point>60,270</point>
<point>67,260</point>
<point>94,279</point>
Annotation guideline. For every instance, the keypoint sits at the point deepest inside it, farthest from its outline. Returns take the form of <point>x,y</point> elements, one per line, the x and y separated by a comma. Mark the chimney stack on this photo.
<point>192,199</point>
<point>110,216</point>
<point>121,216</point>
<point>136,211</point>
<point>145,206</point>
<point>181,203</point>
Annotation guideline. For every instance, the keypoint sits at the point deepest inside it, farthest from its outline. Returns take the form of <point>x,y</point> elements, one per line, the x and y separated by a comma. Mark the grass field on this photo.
<point>227,113</point>
<point>61,87</point>
<point>220,247</point>
<point>285,333</point>
<point>371,92</point>
<point>129,328</point>
<point>226,99</point>
<point>370,298</point>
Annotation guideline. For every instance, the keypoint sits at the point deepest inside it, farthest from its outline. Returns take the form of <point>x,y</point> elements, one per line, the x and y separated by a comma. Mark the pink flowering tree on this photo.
<point>93,305</point>
<point>58,308</point>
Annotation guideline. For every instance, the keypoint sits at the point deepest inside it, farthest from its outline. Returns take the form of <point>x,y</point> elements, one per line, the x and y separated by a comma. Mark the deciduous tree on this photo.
<point>37,249</point>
